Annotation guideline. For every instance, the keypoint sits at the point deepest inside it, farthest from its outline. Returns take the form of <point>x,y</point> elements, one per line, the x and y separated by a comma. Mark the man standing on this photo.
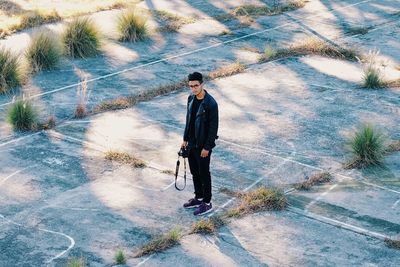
<point>199,137</point>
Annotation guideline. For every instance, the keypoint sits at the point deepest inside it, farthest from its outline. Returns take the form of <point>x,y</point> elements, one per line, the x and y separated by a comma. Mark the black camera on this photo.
<point>183,152</point>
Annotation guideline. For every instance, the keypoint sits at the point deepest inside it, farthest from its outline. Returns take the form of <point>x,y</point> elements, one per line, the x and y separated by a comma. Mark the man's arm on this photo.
<point>186,132</point>
<point>212,127</point>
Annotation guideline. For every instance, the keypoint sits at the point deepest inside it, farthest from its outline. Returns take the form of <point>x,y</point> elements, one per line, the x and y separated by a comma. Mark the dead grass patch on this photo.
<point>260,199</point>
<point>173,21</point>
<point>392,243</point>
<point>392,83</point>
<point>160,243</point>
<point>319,178</point>
<point>114,104</point>
<point>169,172</point>
<point>393,147</point>
<point>309,46</point>
<point>247,13</point>
<point>128,101</point>
<point>207,226</point>
<point>227,70</point>
<point>124,158</point>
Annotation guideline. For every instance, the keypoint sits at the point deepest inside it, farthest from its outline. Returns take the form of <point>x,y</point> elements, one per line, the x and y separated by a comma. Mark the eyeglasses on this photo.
<point>194,85</point>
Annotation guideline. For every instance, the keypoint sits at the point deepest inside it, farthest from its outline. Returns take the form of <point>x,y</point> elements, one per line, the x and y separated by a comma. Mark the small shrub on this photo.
<point>81,38</point>
<point>44,51</point>
<point>120,257</point>
<point>132,27</point>
<point>22,115</point>
<point>160,243</point>
<point>319,178</point>
<point>10,71</point>
<point>76,263</point>
<point>125,158</point>
<point>259,200</point>
<point>367,147</point>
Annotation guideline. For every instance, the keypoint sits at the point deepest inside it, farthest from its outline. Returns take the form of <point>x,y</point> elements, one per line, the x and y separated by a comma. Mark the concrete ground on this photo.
<point>279,123</point>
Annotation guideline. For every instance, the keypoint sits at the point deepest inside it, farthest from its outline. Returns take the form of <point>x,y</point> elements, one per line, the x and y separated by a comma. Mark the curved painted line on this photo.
<point>72,241</point>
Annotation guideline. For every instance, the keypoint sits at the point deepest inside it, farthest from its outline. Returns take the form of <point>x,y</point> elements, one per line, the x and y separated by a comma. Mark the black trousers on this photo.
<point>200,169</point>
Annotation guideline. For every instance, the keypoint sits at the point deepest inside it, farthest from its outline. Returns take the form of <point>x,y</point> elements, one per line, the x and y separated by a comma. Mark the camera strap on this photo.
<point>177,172</point>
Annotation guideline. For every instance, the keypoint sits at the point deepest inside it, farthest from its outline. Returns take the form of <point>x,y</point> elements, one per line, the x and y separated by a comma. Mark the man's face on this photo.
<point>196,87</point>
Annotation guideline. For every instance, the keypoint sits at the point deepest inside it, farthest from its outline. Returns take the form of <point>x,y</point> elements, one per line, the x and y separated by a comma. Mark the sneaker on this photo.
<point>203,209</point>
<point>192,203</point>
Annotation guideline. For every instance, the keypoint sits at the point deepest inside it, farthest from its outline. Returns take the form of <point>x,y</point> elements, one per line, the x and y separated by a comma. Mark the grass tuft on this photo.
<point>372,77</point>
<point>132,27</point>
<point>44,51</point>
<point>367,147</point>
<point>10,71</point>
<point>124,158</point>
<point>81,38</point>
<point>319,178</point>
<point>392,243</point>
<point>207,226</point>
<point>22,115</point>
<point>76,263</point>
<point>259,200</point>
<point>227,70</point>
<point>309,46</point>
<point>120,257</point>
<point>161,243</point>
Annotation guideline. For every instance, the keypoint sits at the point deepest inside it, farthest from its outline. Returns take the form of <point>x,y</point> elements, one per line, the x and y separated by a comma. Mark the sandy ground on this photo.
<point>279,122</point>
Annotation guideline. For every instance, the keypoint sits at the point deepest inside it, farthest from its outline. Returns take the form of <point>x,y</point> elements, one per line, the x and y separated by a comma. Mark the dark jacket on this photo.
<point>206,124</point>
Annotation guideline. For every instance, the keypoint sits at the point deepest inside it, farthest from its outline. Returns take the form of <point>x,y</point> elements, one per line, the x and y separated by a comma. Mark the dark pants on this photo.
<point>200,169</point>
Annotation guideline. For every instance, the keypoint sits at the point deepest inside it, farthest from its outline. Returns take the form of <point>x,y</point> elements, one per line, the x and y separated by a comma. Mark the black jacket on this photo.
<point>206,124</point>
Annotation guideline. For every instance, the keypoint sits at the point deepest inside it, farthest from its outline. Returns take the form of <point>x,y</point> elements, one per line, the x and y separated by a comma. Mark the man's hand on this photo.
<point>204,153</point>
<point>184,144</point>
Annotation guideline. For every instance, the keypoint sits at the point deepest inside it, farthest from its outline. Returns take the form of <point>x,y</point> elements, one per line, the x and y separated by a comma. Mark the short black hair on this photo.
<point>196,76</point>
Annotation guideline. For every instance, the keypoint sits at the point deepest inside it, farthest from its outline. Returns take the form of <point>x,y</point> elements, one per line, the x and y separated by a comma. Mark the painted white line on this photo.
<point>71,240</point>
<point>337,223</point>
<point>309,205</point>
<point>14,173</point>
<point>182,54</point>
<point>370,184</point>
<point>145,260</point>
<point>19,139</point>
<point>395,204</point>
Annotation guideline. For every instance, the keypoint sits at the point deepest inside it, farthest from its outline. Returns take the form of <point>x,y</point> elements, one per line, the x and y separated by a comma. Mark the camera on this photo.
<point>183,152</point>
